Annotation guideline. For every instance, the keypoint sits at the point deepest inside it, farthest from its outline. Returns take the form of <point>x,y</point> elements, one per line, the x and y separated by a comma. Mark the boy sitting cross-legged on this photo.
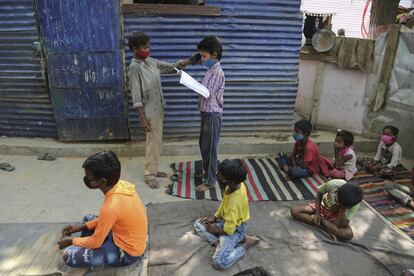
<point>116,237</point>
<point>227,229</point>
<point>336,203</point>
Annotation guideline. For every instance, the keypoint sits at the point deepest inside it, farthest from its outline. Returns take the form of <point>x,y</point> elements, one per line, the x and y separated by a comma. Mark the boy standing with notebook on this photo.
<point>211,109</point>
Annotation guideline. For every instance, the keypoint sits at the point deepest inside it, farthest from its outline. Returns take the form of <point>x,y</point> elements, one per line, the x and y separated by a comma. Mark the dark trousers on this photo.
<point>293,172</point>
<point>209,142</point>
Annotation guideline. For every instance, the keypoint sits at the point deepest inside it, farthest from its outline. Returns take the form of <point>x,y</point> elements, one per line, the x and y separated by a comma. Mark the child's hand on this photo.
<point>65,242</point>
<point>206,220</point>
<point>195,59</point>
<point>213,229</point>
<point>146,125</point>
<point>317,218</point>
<point>68,230</point>
<point>182,64</point>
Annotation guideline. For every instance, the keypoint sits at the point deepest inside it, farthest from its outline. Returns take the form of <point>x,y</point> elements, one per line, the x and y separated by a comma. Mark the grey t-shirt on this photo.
<point>145,84</point>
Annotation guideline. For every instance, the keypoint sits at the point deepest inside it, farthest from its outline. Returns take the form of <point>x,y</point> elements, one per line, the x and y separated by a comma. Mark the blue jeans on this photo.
<point>108,254</point>
<point>230,248</point>
<point>209,142</point>
<point>293,172</point>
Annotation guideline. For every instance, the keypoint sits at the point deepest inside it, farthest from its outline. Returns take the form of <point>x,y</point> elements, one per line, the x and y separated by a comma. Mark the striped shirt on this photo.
<point>214,81</point>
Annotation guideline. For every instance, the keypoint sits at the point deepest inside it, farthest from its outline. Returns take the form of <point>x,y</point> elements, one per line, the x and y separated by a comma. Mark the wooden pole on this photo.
<point>387,65</point>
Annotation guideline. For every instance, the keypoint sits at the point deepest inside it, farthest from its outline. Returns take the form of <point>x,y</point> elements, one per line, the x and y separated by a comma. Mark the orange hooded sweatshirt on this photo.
<point>124,214</point>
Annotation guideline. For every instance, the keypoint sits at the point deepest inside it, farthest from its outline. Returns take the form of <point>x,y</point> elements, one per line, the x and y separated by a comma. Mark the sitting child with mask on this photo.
<point>304,160</point>
<point>388,155</point>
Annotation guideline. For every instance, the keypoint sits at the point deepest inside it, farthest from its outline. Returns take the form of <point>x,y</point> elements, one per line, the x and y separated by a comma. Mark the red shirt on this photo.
<point>311,155</point>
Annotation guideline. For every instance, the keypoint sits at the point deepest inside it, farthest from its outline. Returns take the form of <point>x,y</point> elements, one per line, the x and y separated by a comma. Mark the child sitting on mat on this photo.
<point>388,155</point>
<point>304,160</point>
<point>227,229</point>
<point>344,166</point>
<point>116,237</point>
<point>402,193</point>
<point>336,203</point>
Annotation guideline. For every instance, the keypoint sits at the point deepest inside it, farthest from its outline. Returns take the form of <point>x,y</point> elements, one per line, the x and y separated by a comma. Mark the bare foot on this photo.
<point>250,241</point>
<point>162,174</point>
<point>153,183</point>
<point>202,188</point>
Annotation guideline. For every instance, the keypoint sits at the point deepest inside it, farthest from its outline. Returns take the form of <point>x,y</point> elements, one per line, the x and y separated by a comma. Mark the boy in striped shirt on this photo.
<point>211,109</point>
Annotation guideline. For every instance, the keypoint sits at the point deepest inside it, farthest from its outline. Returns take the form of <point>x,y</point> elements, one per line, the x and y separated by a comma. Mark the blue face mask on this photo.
<point>298,137</point>
<point>208,63</point>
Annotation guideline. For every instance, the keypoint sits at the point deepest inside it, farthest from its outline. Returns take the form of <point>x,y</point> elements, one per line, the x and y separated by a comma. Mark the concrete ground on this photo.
<point>53,191</point>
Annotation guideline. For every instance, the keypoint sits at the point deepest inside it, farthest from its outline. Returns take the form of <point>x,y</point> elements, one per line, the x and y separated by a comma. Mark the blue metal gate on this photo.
<point>25,106</point>
<point>261,41</point>
<point>84,61</point>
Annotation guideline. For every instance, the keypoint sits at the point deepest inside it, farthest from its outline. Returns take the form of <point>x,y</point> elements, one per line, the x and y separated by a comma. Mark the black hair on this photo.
<point>346,136</point>
<point>233,170</point>
<point>350,194</point>
<point>393,129</point>
<point>305,126</point>
<point>137,39</point>
<point>104,164</point>
<point>212,45</point>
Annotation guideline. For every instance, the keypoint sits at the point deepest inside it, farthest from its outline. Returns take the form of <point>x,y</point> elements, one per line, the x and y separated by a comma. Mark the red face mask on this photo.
<point>144,53</point>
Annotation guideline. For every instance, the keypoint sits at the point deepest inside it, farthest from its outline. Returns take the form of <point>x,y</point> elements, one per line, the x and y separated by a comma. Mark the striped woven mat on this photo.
<point>397,214</point>
<point>265,181</point>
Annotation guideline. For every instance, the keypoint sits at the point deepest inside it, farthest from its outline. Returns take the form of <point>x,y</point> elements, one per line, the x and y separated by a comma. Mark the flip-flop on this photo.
<point>46,156</point>
<point>6,167</point>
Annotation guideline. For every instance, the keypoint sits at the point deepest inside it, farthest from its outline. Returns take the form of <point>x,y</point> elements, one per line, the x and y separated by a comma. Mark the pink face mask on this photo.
<point>388,139</point>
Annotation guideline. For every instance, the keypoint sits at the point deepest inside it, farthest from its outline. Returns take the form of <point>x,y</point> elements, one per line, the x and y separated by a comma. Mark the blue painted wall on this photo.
<point>261,43</point>
<point>25,106</point>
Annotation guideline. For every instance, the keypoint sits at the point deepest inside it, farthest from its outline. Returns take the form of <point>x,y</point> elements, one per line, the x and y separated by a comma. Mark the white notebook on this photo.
<point>193,84</point>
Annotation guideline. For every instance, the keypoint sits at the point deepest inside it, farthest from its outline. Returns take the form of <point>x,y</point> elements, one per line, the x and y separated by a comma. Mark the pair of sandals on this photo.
<point>153,183</point>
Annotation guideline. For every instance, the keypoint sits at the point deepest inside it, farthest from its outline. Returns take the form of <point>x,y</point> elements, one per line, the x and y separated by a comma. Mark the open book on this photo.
<point>193,84</point>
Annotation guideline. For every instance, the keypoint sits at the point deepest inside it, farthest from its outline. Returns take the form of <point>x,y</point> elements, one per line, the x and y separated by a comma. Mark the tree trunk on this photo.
<point>383,13</point>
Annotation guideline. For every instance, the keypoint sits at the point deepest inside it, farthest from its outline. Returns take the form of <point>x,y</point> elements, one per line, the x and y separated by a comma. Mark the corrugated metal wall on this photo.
<point>261,41</point>
<point>25,106</point>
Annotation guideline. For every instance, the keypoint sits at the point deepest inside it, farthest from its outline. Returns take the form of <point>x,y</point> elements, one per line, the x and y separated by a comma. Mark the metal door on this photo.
<point>84,60</point>
<point>25,106</point>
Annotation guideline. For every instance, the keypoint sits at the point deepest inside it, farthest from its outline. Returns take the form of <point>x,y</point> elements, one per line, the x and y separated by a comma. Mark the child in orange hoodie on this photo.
<point>118,235</point>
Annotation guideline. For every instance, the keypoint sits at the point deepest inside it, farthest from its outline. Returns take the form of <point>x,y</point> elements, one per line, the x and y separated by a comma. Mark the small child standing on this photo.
<point>227,229</point>
<point>336,203</point>
<point>388,155</point>
<point>344,166</point>
<point>304,160</point>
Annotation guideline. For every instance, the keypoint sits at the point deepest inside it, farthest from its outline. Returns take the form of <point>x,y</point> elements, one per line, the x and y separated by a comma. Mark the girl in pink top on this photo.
<point>344,166</point>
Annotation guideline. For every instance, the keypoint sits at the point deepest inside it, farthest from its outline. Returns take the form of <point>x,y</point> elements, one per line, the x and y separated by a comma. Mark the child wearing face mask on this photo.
<point>304,160</point>
<point>388,155</point>
<point>148,100</point>
<point>211,109</point>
